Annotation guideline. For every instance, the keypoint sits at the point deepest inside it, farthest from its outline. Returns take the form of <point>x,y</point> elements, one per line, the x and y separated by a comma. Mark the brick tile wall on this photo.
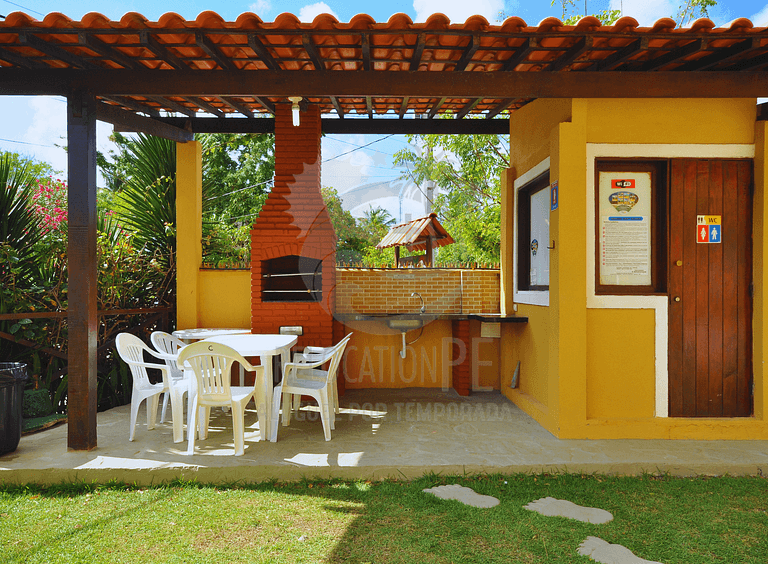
<point>368,291</point>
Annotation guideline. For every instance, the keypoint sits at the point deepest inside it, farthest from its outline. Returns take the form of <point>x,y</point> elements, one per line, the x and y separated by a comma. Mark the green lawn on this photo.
<point>671,520</point>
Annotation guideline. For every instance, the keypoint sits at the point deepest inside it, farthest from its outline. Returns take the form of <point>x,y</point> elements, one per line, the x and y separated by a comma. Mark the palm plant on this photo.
<point>19,228</point>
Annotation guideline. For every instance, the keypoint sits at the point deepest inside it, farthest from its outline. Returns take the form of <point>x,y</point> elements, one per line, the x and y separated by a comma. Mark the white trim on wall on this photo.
<point>658,303</point>
<point>540,298</point>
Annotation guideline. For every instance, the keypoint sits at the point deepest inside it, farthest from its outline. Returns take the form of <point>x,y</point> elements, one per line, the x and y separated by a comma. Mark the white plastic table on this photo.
<point>189,335</point>
<point>266,347</point>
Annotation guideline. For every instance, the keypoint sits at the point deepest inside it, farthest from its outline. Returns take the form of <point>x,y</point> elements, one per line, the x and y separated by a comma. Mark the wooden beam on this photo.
<point>266,103</point>
<point>150,42</point>
<point>107,51</point>
<point>311,50</point>
<point>212,50</point>
<point>418,50</point>
<point>387,84</point>
<point>474,44</point>
<point>721,56</point>
<point>673,55</point>
<point>750,64</point>
<point>436,107</point>
<point>349,126</point>
<point>493,112</point>
<point>403,107</point>
<point>579,48</point>
<point>467,108</point>
<point>337,107</point>
<point>237,106</point>
<point>618,57</point>
<point>520,55</point>
<point>55,51</point>
<point>82,310</point>
<point>166,103</point>
<point>366,49</point>
<point>135,106</point>
<point>205,106</point>
<point>260,49</point>
<point>24,62</point>
<point>127,121</point>
<point>369,106</point>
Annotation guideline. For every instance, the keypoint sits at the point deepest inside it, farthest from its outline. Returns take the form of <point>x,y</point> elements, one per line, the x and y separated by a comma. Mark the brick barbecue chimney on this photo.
<point>293,244</point>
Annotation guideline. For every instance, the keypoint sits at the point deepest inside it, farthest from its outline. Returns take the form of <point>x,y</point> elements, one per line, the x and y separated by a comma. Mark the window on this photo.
<point>630,236</point>
<point>533,204</point>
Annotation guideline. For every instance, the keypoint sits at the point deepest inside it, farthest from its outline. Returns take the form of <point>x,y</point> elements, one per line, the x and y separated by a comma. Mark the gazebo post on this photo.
<point>82,311</point>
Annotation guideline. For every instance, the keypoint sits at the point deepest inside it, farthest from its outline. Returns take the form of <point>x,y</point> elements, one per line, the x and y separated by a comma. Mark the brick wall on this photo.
<point>367,291</point>
<point>294,221</point>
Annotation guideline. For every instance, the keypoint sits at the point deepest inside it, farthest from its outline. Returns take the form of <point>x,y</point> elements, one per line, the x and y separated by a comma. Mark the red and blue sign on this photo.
<point>709,229</point>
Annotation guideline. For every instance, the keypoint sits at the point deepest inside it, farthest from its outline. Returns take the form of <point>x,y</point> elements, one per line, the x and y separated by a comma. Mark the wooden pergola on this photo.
<point>364,76</point>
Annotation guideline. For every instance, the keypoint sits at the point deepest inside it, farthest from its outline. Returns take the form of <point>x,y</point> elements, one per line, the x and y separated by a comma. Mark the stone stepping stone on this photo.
<point>551,507</point>
<point>606,553</point>
<point>465,495</point>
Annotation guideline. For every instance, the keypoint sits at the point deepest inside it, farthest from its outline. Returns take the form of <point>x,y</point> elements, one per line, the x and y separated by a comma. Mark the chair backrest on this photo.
<point>212,365</point>
<point>168,344</point>
<point>316,354</point>
<point>131,350</point>
<point>334,356</point>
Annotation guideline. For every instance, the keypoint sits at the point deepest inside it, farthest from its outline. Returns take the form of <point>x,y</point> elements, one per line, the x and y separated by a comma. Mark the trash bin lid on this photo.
<point>16,370</point>
<point>6,380</point>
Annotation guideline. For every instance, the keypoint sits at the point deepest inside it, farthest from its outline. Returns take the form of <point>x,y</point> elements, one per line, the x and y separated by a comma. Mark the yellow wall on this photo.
<point>571,379</point>
<point>189,232</point>
<point>225,298</point>
<point>620,359</point>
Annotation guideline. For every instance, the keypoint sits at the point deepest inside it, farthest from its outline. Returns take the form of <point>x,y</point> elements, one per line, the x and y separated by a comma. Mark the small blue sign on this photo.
<point>714,233</point>
<point>554,196</point>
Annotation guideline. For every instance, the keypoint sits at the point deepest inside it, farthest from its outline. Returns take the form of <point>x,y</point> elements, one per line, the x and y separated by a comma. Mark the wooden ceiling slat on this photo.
<point>437,106</point>
<point>520,55</point>
<point>496,110</point>
<point>135,106</point>
<point>583,45</point>
<point>749,64</point>
<point>403,107</point>
<point>21,61</point>
<point>150,42</point>
<point>213,51</point>
<point>474,44</point>
<point>107,51</point>
<point>205,106</point>
<point>166,103</point>
<point>369,106</point>
<point>311,50</point>
<point>339,109</point>
<point>467,108</point>
<point>266,103</point>
<point>366,49</point>
<point>674,55</point>
<point>55,51</point>
<point>721,55</point>
<point>237,106</point>
<point>618,57</point>
<point>418,51</point>
<point>260,49</point>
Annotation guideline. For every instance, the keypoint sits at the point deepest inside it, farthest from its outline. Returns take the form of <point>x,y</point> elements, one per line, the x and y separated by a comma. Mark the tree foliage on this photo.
<point>467,170</point>
<point>691,10</point>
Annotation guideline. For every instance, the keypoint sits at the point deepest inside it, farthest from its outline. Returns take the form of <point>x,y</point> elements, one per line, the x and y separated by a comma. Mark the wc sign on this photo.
<point>709,228</point>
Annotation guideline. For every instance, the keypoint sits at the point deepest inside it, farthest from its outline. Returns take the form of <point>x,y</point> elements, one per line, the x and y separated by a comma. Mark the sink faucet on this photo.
<point>423,306</point>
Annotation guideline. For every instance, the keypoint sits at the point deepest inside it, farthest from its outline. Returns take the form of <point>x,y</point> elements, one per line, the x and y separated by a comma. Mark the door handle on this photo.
<point>677,298</point>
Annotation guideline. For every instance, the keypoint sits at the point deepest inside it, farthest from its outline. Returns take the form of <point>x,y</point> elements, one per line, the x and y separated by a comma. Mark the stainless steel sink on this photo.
<point>404,323</point>
<point>400,321</point>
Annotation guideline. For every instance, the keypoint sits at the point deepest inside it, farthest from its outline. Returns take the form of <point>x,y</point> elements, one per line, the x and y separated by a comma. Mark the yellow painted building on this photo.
<point>605,359</point>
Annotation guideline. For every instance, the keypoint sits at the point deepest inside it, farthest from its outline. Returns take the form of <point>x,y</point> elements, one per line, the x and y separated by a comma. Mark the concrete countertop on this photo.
<point>485,317</point>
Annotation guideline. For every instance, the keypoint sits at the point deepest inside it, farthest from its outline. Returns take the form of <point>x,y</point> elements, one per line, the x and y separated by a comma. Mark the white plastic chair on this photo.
<point>306,378</point>
<point>131,349</point>
<point>168,347</point>
<point>314,354</point>
<point>211,364</point>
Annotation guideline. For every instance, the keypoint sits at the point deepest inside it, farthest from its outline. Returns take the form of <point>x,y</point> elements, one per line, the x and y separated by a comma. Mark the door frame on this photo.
<point>657,303</point>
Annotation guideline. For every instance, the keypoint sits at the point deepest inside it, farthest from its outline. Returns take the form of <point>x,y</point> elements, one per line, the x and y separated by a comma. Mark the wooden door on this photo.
<point>710,307</point>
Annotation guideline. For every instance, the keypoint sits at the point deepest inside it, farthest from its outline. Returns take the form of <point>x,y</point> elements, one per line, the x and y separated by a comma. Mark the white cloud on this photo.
<point>646,12</point>
<point>260,7</point>
<point>309,12</point>
<point>760,19</point>
<point>458,10</point>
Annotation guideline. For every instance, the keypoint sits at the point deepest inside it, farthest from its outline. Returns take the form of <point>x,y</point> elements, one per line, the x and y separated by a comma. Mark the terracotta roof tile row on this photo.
<point>249,44</point>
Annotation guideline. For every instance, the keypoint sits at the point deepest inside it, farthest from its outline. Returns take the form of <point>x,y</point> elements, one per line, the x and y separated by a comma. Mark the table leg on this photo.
<point>285,357</point>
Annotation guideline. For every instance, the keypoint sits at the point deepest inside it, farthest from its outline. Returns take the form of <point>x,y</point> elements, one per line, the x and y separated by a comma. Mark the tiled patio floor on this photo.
<point>381,433</point>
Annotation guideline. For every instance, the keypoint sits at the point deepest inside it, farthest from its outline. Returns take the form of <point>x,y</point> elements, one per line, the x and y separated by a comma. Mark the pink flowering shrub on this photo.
<point>49,201</point>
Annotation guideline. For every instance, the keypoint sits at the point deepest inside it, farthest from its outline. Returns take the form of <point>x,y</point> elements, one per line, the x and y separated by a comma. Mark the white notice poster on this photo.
<point>625,228</point>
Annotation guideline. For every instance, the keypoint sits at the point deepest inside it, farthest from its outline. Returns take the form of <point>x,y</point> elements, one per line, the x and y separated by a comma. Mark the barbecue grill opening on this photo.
<point>292,279</point>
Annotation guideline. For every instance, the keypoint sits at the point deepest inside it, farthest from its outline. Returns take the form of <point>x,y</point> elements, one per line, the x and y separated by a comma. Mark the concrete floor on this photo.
<point>380,433</point>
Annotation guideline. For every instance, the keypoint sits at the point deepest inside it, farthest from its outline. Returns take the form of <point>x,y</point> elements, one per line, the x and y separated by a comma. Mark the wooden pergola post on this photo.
<point>82,318</point>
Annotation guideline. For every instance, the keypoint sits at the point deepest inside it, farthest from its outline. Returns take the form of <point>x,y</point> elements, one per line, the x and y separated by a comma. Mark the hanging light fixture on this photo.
<point>295,109</point>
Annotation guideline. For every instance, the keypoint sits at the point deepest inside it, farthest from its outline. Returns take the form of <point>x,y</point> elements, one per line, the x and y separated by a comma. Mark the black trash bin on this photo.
<point>13,378</point>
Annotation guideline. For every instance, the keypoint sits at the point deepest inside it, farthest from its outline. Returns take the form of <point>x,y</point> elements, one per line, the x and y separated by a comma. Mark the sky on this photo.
<point>36,126</point>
